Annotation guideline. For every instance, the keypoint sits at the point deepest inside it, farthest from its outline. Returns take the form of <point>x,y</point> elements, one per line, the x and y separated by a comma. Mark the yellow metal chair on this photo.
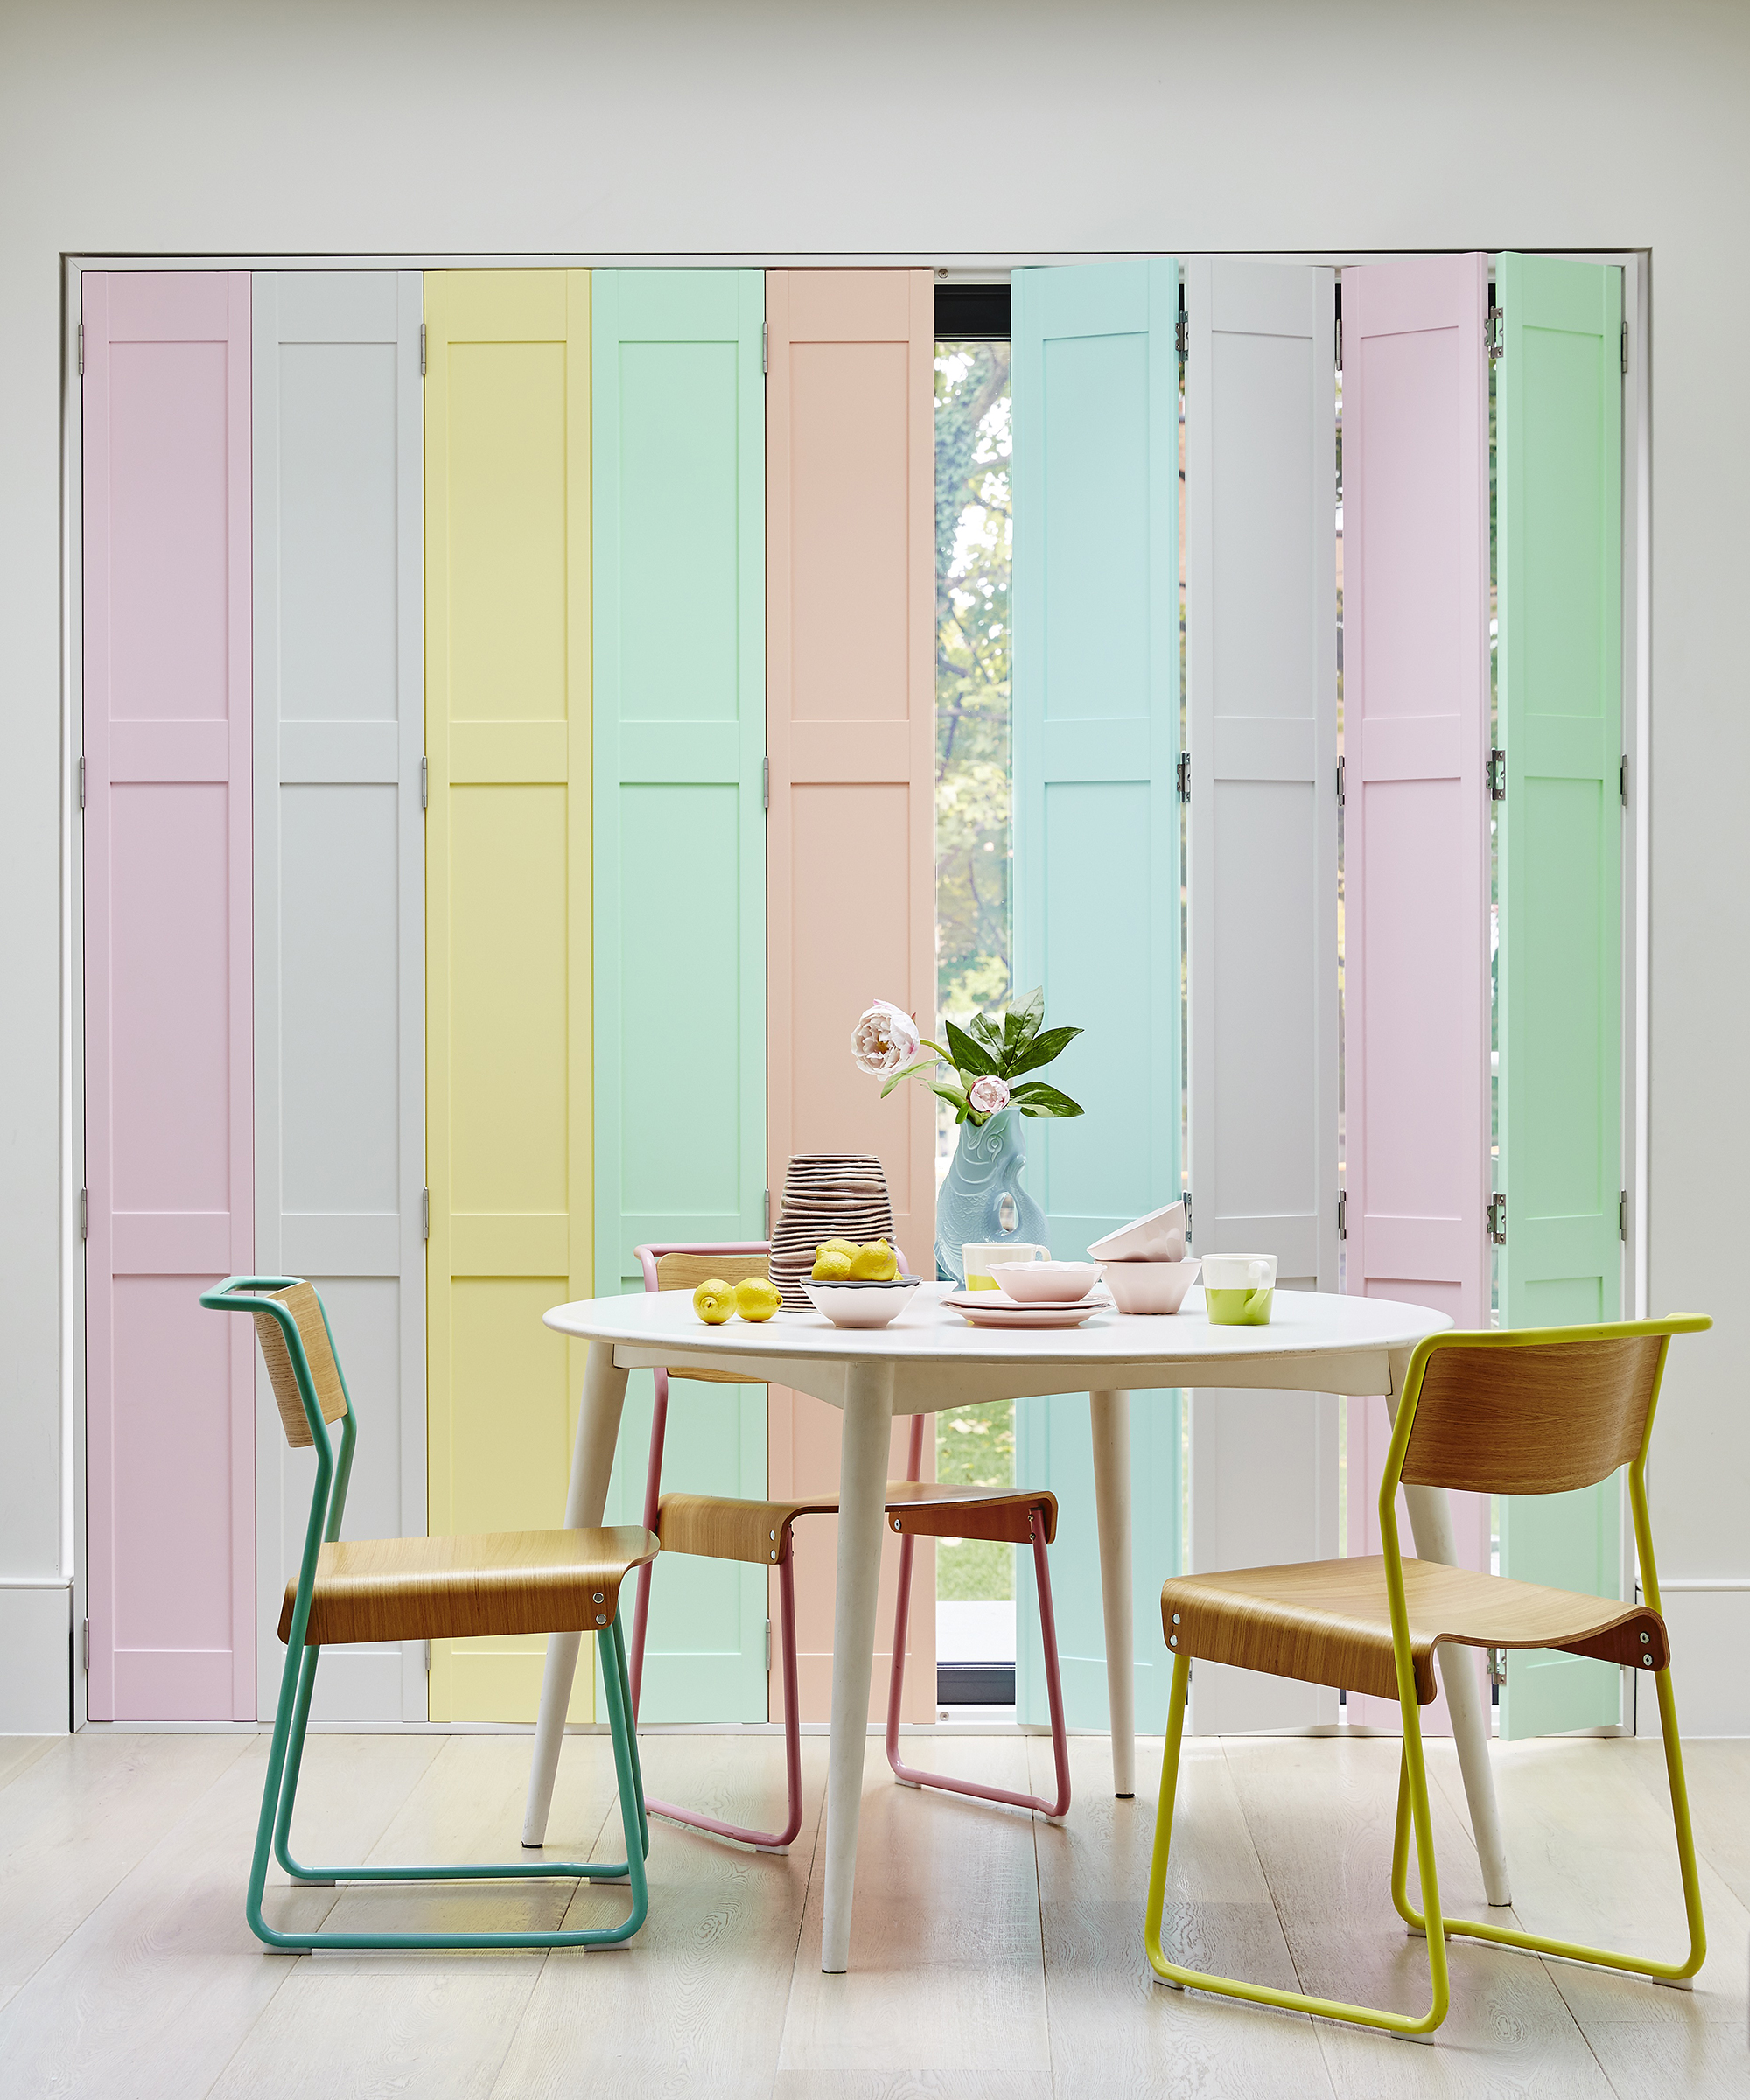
<point>1536,1411</point>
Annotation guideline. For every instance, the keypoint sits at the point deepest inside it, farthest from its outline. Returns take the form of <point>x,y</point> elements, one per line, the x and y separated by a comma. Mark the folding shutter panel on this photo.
<point>507,921</point>
<point>850,733</point>
<point>169,1425</point>
<point>1261,648</point>
<point>339,911</point>
<point>680,891</point>
<point>1098,875</point>
<point>1558,391</point>
<point>1415,828</point>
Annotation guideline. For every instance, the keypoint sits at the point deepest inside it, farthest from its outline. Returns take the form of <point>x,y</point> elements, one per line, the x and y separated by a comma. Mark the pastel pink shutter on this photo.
<point>850,738</point>
<point>1416,826</point>
<point>169,1089</point>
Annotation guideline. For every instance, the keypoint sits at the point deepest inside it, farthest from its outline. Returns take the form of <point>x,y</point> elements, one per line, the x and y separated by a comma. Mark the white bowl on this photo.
<point>856,1303</point>
<point>1046,1283</point>
<point>1159,1237</point>
<point>1149,1286</point>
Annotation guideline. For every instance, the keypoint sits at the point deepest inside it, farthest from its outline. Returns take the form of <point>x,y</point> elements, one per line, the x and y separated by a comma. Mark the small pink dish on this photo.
<point>1149,1286</point>
<point>1046,1283</point>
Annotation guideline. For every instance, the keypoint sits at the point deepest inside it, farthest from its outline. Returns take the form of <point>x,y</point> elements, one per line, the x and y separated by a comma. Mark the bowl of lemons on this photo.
<point>858,1286</point>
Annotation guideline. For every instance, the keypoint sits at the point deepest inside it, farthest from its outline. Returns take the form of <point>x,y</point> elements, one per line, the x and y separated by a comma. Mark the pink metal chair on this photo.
<point>725,1527</point>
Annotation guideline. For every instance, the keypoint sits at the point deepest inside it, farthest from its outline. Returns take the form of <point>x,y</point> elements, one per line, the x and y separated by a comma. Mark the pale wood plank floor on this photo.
<point>993,1954</point>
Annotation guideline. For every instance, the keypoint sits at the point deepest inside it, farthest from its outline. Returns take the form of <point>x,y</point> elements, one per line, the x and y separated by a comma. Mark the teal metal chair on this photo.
<point>421,1589</point>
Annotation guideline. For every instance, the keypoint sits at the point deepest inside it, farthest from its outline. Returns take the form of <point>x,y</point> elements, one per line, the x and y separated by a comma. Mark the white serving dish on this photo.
<point>858,1303</point>
<point>1159,1237</point>
<point>1046,1283</point>
<point>1149,1286</point>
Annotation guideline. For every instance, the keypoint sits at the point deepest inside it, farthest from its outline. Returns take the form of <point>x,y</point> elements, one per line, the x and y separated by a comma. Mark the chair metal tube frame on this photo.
<point>1412,1785</point>
<point>298,1682</point>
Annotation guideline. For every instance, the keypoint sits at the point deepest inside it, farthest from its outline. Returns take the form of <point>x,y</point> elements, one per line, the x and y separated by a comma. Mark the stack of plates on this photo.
<point>998,1309</point>
<point>827,1196</point>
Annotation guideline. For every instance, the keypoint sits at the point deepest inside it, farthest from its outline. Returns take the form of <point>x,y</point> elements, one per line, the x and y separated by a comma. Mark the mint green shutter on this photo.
<point>1097,878</point>
<point>680,892</point>
<point>1559,518</point>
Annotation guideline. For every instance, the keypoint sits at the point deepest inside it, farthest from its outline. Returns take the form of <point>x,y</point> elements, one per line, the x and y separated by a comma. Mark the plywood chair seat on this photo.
<point>486,1582</point>
<point>1329,1621</point>
<point>722,1527</point>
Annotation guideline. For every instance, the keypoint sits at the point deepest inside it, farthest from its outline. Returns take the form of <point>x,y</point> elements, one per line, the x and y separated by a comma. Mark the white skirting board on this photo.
<point>1710,1630</point>
<point>36,1661</point>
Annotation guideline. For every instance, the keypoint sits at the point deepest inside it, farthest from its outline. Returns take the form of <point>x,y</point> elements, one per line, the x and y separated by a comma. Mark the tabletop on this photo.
<point>1317,1341</point>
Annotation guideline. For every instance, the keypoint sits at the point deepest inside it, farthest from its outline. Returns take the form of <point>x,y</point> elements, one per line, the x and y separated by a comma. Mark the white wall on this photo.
<point>425,128</point>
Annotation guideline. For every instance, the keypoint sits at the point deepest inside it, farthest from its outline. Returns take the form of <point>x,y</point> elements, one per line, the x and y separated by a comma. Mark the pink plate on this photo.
<point>994,1309</point>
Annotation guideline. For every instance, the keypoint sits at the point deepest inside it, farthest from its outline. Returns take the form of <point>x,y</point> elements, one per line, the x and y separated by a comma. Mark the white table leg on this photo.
<point>1430,1524</point>
<point>865,1434</point>
<point>1110,1413</point>
<point>585,1499</point>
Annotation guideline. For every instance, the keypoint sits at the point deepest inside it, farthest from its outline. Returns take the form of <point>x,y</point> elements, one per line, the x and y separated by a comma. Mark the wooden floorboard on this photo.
<point>995,1956</point>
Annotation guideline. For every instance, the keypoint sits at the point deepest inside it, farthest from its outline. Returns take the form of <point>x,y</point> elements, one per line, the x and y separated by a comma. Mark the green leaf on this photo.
<point>953,1097</point>
<point>1037,1099</point>
<point>988,1033</point>
<point>1021,1026</point>
<point>917,1064</point>
<point>1043,1049</point>
<point>967,1055</point>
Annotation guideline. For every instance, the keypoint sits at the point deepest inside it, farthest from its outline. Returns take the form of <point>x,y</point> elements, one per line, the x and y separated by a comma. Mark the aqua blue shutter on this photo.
<point>1558,393</point>
<point>679,511</point>
<point>1097,878</point>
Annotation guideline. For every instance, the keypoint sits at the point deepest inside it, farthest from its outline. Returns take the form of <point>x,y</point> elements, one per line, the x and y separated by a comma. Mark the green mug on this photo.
<point>1238,1289</point>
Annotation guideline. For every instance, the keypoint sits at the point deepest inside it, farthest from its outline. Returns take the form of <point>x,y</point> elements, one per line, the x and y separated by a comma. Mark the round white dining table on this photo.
<point>928,1359</point>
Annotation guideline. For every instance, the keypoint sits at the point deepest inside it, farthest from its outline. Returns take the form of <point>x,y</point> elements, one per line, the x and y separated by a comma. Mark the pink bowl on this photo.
<point>1149,1286</point>
<point>1046,1283</point>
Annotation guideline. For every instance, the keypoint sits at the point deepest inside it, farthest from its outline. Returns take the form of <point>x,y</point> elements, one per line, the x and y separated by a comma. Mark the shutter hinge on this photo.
<point>766,782</point>
<point>1187,1216</point>
<point>1495,333</point>
<point>1497,775</point>
<point>1497,1220</point>
<point>421,349</point>
<point>424,783</point>
<point>1340,792</point>
<point>765,1230</point>
<point>1625,348</point>
<point>768,1648</point>
<point>85,1646</point>
<point>1185,776</point>
<point>1181,337</point>
<point>1623,780</point>
<point>1342,1213</point>
<point>82,782</point>
<point>765,347</point>
<point>426,1213</point>
<point>1497,1666</point>
<point>1622,1215</point>
<point>425,1657</point>
<point>81,349</point>
<point>1340,342</point>
<point>85,1213</point>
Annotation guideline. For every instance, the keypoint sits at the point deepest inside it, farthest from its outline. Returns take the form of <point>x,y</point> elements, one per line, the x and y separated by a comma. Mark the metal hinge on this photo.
<point>1497,1220</point>
<point>1185,776</point>
<point>1342,1213</point>
<point>1623,778</point>
<point>426,1213</point>
<point>84,1214</point>
<point>1625,348</point>
<point>766,1232</point>
<point>425,783</point>
<point>1187,1217</point>
<point>766,782</point>
<point>1495,333</point>
<point>1340,763</point>
<point>1497,1666</point>
<point>1622,1215</point>
<point>425,1657</point>
<point>1497,775</point>
<point>421,349</point>
<point>82,782</point>
<point>768,1648</point>
<point>85,1646</point>
<point>1181,337</point>
<point>765,346</point>
<point>81,349</point>
<point>1340,342</point>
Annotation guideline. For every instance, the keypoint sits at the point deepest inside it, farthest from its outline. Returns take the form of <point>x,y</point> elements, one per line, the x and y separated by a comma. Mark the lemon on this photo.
<point>831,1265</point>
<point>875,1264</point>
<point>847,1248</point>
<point>713,1301</point>
<point>756,1298</point>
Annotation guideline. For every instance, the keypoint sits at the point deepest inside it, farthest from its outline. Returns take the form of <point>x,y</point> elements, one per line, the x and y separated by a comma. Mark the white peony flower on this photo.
<point>989,1094</point>
<point>884,1038</point>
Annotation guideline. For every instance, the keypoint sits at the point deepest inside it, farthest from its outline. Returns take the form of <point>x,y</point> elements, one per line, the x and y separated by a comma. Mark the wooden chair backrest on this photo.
<point>301,1301</point>
<point>1534,1417</point>
<point>686,1271</point>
